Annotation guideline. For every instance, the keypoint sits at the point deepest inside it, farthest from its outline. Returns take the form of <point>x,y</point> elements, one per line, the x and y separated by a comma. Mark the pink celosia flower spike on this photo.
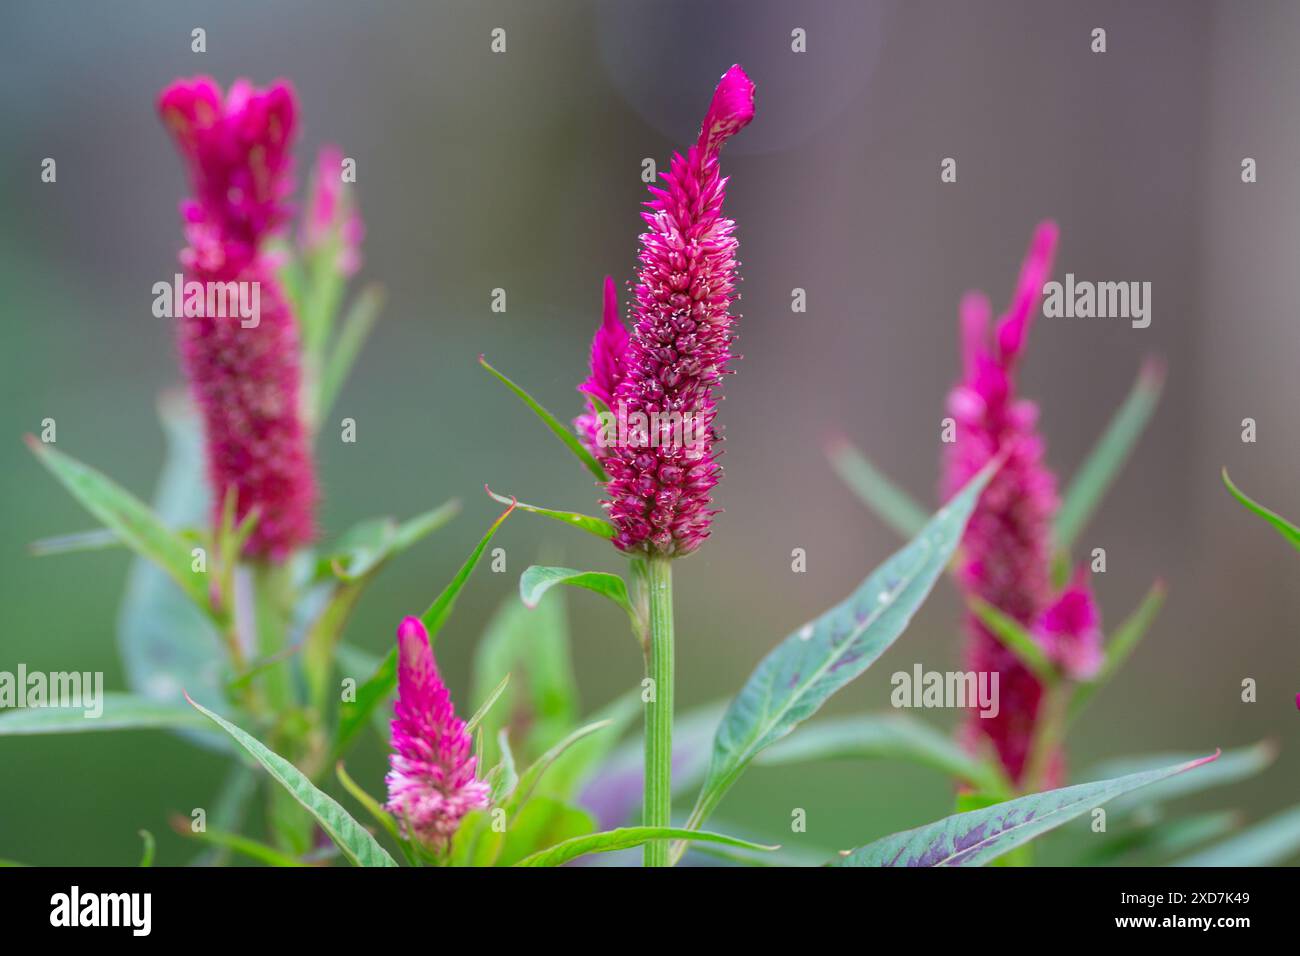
<point>332,215</point>
<point>244,371</point>
<point>432,783</point>
<point>1006,553</point>
<point>1069,630</point>
<point>661,460</point>
<point>607,350</point>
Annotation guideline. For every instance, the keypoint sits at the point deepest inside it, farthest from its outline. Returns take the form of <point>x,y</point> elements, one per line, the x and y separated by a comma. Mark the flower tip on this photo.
<point>730,111</point>
<point>412,638</point>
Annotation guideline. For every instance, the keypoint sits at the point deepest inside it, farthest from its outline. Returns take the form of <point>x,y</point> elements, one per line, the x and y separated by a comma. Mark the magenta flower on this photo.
<point>658,446</point>
<point>1069,630</point>
<point>244,373</point>
<point>432,783</point>
<point>1006,552</point>
<point>332,218</point>
<point>607,350</point>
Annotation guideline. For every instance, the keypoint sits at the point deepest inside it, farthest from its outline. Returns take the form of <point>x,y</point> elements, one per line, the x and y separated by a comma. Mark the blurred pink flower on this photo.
<point>661,459</point>
<point>245,379</point>
<point>332,214</point>
<point>1007,548</point>
<point>432,783</point>
<point>607,350</point>
<point>1069,630</point>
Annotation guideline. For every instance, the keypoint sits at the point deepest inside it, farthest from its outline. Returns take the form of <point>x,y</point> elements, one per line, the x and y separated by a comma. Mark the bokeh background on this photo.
<point>521,171</point>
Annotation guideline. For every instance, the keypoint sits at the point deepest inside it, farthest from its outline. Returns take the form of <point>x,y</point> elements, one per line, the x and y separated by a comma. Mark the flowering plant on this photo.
<point>237,608</point>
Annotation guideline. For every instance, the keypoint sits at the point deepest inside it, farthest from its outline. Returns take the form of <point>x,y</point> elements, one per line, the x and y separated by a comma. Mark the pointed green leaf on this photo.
<point>1108,455</point>
<point>356,327</point>
<point>236,843</point>
<point>545,822</point>
<point>96,540</point>
<point>166,642</point>
<point>120,712</point>
<point>127,516</point>
<point>592,525</point>
<point>1283,527</point>
<point>1270,843</point>
<point>1126,638</point>
<point>810,665</point>
<point>564,434</point>
<point>542,699</point>
<point>485,708</point>
<point>529,779</point>
<point>980,836</point>
<point>537,580</point>
<point>891,504</point>
<point>625,838</point>
<point>889,736</point>
<point>349,836</point>
<point>1016,638</point>
<point>354,714</point>
<point>1232,766</point>
<point>150,848</point>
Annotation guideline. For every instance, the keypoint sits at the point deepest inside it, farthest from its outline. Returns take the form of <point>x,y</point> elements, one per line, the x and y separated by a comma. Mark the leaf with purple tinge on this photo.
<point>980,836</point>
<point>801,674</point>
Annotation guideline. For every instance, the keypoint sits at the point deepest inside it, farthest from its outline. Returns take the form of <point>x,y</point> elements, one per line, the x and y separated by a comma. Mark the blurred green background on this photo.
<point>522,171</point>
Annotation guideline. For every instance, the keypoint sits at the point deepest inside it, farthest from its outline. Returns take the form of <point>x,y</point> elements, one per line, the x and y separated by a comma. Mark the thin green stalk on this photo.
<point>657,809</point>
<point>1049,735</point>
<point>273,604</point>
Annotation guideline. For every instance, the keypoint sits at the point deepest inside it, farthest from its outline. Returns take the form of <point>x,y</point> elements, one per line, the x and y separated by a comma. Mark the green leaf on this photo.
<point>348,835</point>
<point>980,836</point>
<point>575,766</point>
<point>1108,455</point>
<point>121,712</point>
<point>1161,838</point>
<point>354,714</point>
<point>810,665</point>
<point>127,516</point>
<point>165,641</point>
<point>96,540</point>
<point>356,327</point>
<point>1016,638</point>
<point>504,778</point>
<point>564,434</point>
<point>1232,766</point>
<point>1283,527</point>
<point>1270,843</point>
<point>891,504</point>
<point>236,843</point>
<point>1126,638</point>
<point>545,822</point>
<point>625,838</point>
<point>537,580</point>
<point>597,526</point>
<point>542,699</point>
<point>377,812</point>
<point>889,736</point>
<point>529,779</point>
<point>472,724</point>
<point>362,554</point>
<point>150,848</point>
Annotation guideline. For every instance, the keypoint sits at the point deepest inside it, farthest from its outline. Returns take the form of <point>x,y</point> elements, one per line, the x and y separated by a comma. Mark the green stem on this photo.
<point>1049,736</point>
<point>657,808</point>
<point>273,604</point>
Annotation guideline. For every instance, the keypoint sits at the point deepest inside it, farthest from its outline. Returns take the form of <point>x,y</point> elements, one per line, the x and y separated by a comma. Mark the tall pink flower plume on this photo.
<point>659,452</point>
<point>1006,553</point>
<point>1069,630</point>
<point>332,219</point>
<point>432,783</point>
<point>245,380</point>
<point>607,350</point>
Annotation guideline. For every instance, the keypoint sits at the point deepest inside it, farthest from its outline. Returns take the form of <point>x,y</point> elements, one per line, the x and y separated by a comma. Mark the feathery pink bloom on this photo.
<point>245,380</point>
<point>659,449</point>
<point>432,783</point>
<point>607,350</point>
<point>332,215</point>
<point>1007,547</point>
<point>1069,630</point>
